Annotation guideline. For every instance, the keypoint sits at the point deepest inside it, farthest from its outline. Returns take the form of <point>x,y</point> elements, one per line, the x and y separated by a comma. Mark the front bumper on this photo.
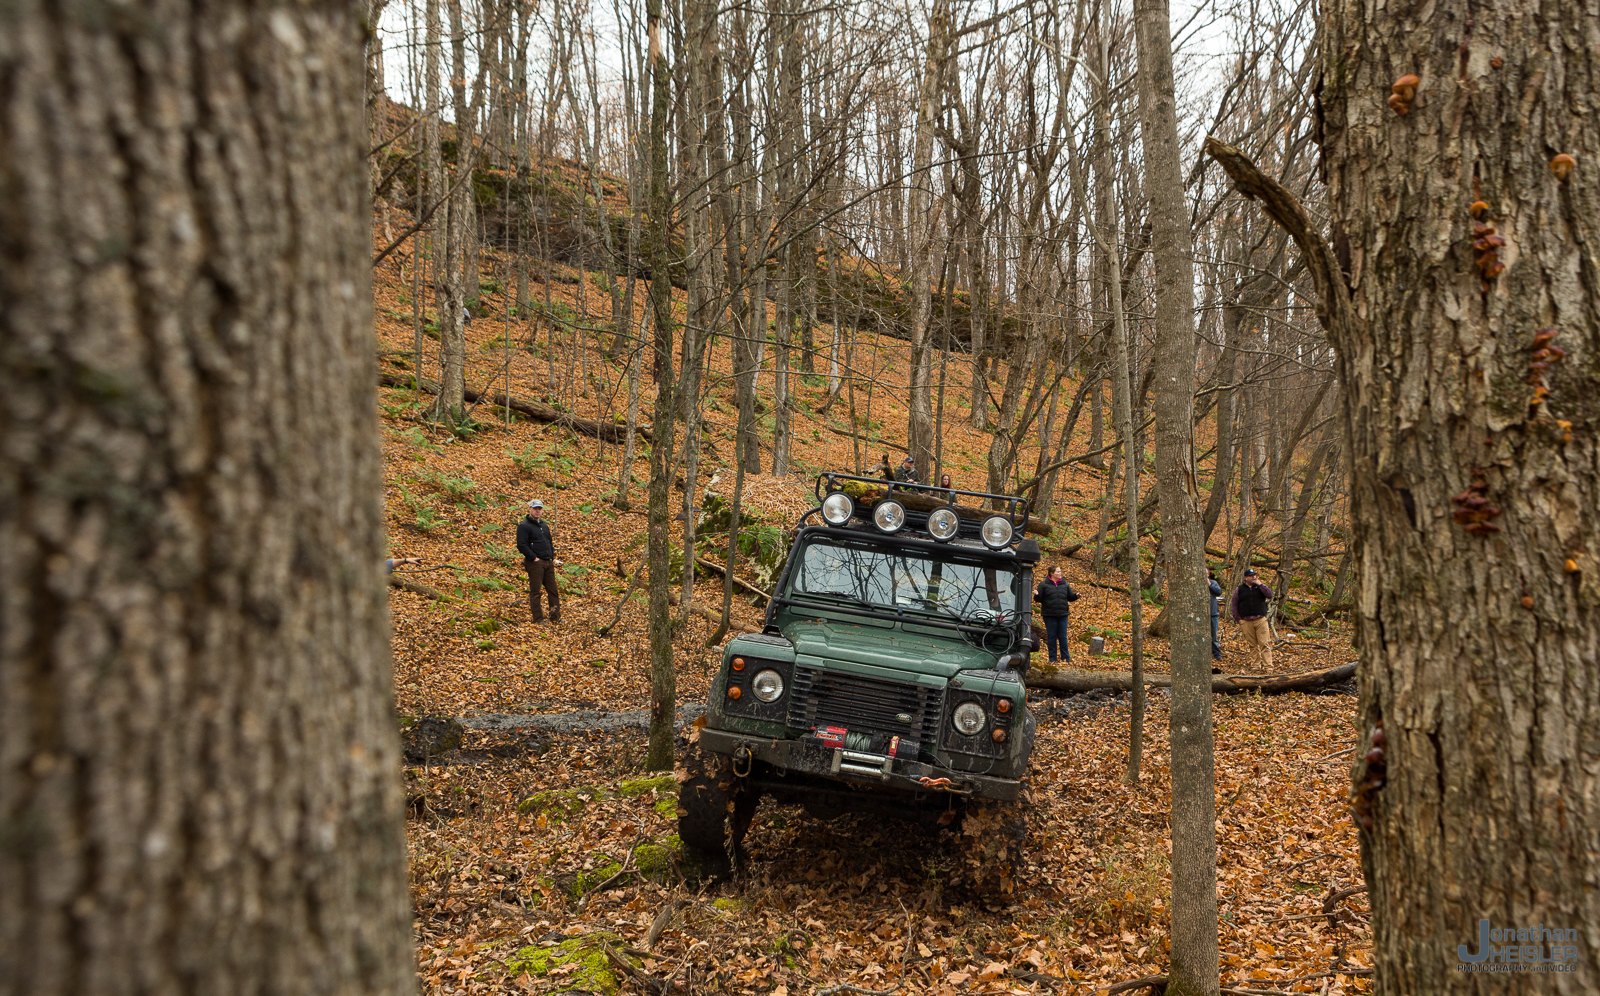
<point>855,767</point>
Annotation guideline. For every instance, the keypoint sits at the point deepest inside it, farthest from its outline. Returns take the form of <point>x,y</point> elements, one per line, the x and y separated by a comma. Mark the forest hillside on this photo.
<point>540,855</point>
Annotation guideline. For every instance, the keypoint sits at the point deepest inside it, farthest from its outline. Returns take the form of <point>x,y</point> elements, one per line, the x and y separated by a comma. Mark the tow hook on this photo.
<point>742,756</point>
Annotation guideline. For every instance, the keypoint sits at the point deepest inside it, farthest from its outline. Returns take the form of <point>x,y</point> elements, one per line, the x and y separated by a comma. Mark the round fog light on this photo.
<point>837,509</point>
<point>968,718</point>
<point>767,685</point>
<point>889,516</point>
<point>734,692</point>
<point>943,523</point>
<point>999,736</point>
<point>996,531</point>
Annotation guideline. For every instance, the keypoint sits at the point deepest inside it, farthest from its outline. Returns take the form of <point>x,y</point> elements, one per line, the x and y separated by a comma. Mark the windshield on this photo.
<point>934,582</point>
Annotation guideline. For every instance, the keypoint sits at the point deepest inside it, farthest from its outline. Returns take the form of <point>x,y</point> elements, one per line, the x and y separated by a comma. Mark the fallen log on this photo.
<point>738,582</point>
<point>1075,681</point>
<point>714,616</point>
<point>418,588</point>
<point>538,411</point>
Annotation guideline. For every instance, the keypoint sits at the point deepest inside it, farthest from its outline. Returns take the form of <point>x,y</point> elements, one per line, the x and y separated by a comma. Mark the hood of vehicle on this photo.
<point>886,648</point>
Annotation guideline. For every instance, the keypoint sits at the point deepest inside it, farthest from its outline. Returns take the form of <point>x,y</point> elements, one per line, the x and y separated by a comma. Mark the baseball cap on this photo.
<point>1249,572</point>
<point>536,503</point>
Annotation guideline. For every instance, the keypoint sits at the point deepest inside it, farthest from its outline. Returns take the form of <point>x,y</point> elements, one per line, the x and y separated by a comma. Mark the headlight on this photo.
<point>968,718</point>
<point>767,685</point>
<point>889,516</point>
<point>943,523</point>
<point>837,508</point>
<point>996,531</point>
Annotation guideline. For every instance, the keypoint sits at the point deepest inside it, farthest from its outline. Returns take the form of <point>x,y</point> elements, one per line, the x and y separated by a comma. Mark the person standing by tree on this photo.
<point>1216,595</point>
<point>1249,610</point>
<point>538,551</point>
<point>1055,597</point>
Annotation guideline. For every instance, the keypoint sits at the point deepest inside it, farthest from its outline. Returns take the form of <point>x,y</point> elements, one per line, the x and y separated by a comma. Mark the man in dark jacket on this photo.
<point>1055,597</point>
<point>907,471</point>
<point>1249,610</point>
<point>538,551</point>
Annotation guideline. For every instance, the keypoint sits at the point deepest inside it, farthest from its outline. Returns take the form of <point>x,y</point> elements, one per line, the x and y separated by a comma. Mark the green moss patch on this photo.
<point>578,963</point>
<point>558,804</point>
<point>562,804</point>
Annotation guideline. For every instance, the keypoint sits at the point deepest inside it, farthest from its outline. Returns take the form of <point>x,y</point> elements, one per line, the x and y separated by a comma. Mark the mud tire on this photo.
<point>714,810</point>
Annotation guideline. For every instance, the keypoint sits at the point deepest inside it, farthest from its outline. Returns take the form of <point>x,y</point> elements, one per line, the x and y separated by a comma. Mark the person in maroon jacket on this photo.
<point>1248,607</point>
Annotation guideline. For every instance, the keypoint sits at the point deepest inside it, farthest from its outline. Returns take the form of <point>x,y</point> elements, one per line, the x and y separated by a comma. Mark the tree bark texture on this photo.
<point>1479,651</point>
<point>1194,966</point>
<point>663,672</point>
<point>1478,648</point>
<point>198,759</point>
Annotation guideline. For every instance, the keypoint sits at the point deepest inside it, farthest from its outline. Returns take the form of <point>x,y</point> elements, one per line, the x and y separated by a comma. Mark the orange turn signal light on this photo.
<point>999,735</point>
<point>734,692</point>
<point>738,663</point>
<point>1003,706</point>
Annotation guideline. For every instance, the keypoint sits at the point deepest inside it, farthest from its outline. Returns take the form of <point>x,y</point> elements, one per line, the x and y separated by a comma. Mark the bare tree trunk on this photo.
<point>1194,965</point>
<point>697,257</point>
<point>922,220</point>
<point>663,673</point>
<point>524,204</point>
<point>433,154</point>
<point>200,790</point>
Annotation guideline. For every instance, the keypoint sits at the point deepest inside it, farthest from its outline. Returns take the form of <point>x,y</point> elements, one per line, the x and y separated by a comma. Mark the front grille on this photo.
<point>867,705</point>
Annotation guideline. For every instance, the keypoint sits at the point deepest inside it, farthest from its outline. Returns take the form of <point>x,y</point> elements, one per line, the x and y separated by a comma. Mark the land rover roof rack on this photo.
<point>890,506</point>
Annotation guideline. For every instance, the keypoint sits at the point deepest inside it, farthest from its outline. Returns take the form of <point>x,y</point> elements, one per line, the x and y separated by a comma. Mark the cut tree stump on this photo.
<point>1068,680</point>
<point>611,432</point>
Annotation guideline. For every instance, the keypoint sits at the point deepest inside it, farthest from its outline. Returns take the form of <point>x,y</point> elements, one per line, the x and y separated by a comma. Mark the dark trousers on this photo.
<point>1055,638</point>
<point>1216,648</point>
<point>542,573</point>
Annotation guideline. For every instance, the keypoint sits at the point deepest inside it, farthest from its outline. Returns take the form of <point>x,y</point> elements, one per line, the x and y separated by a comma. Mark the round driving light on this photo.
<point>968,718</point>
<point>837,508</point>
<point>738,663</point>
<point>767,685</point>
<point>1003,706</point>
<point>996,531</point>
<point>999,736</point>
<point>734,692</point>
<point>943,523</point>
<point>889,516</point>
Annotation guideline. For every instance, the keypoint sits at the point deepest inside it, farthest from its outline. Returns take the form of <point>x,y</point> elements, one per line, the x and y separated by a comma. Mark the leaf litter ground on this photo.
<point>855,901</point>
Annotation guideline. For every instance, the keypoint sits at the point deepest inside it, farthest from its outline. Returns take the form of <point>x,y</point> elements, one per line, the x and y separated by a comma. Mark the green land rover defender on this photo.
<point>887,677</point>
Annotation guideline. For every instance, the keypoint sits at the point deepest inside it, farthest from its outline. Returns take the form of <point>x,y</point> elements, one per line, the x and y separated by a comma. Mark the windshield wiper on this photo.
<point>842,596</point>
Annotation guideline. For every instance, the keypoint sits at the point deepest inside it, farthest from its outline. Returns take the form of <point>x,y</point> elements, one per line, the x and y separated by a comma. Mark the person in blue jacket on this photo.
<point>1055,597</point>
<point>1216,593</point>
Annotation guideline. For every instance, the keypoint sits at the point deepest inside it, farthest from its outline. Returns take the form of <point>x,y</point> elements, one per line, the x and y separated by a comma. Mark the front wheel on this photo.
<point>715,807</point>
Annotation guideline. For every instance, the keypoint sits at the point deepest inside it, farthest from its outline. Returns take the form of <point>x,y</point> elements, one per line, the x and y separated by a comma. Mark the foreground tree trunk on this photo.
<point>1194,967</point>
<point>1474,470</point>
<point>198,761</point>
